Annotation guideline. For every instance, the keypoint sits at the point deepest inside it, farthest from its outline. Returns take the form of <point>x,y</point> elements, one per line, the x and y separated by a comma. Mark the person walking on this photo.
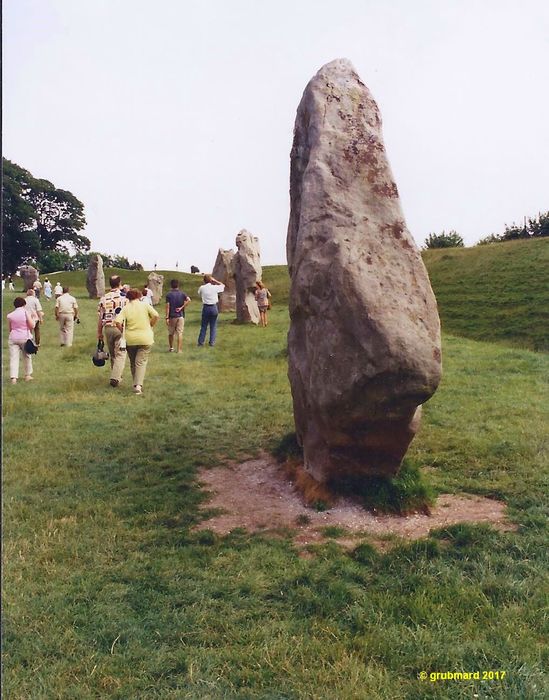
<point>58,290</point>
<point>208,293</point>
<point>262,296</point>
<point>176,302</point>
<point>37,286</point>
<point>110,305</point>
<point>47,289</point>
<point>20,326</point>
<point>147,295</point>
<point>35,311</point>
<point>66,312</point>
<point>136,321</point>
<point>10,284</point>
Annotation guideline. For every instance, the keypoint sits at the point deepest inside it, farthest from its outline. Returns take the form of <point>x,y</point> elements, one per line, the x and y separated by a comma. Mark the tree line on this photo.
<point>41,226</point>
<point>532,228</point>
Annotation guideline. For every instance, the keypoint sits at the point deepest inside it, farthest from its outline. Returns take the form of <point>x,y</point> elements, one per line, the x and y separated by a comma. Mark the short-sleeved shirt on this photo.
<point>110,305</point>
<point>209,293</point>
<point>19,331</point>
<point>262,297</point>
<point>137,322</point>
<point>33,307</point>
<point>66,303</point>
<point>176,298</point>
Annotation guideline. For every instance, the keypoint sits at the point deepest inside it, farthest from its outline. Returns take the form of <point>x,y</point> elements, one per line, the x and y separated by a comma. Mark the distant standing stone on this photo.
<point>155,284</point>
<point>224,272</point>
<point>95,279</point>
<point>247,271</point>
<point>29,275</point>
<point>364,340</point>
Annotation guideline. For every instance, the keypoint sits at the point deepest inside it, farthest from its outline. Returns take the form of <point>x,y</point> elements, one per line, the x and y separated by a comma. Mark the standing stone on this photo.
<point>223,271</point>
<point>29,275</point>
<point>155,283</point>
<point>247,271</point>
<point>364,339</point>
<point>95,279</point>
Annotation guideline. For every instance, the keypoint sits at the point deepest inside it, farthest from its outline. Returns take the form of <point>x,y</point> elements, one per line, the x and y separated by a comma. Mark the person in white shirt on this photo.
<point>147,297</point>
<point>47,289</point>
<point>66,312</point>
<point>208,293</point>
<point>58,290</point>
<point>34,309</point>
<point>37,286</point>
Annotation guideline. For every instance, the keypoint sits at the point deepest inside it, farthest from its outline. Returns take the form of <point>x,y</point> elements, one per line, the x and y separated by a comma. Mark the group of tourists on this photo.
<point>125,321</point>
<point>7,280</point>
<point>25,322</point>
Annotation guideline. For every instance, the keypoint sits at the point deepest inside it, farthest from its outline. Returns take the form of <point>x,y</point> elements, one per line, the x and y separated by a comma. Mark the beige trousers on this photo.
<point>118,357</point>
<point>16,350</point>
<point>139,356</point>
<point>66,328</point>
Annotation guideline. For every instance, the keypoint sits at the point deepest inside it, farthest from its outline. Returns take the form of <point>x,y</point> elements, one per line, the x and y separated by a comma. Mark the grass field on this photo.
<point>497,292</point>
<point>109,592</point>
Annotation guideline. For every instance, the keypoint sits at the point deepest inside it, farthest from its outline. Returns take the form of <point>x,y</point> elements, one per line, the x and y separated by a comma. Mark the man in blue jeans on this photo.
<point>208,293</point>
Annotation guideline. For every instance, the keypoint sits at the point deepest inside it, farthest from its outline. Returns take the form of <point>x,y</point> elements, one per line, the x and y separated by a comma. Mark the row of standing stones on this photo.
<point>364,348</point>
<point>238,271</point>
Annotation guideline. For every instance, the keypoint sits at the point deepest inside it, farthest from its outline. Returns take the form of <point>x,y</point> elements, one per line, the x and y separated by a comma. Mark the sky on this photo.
<point>172,121</point>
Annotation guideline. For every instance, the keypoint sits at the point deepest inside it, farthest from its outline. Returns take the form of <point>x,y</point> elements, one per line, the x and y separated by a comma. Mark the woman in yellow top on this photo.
<point>136,321</point>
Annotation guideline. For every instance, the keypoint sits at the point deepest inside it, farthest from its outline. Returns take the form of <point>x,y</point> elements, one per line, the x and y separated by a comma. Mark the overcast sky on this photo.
<point>172,120</point>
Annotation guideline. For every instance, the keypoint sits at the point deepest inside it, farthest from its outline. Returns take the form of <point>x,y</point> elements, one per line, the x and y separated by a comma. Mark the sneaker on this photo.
<point>13,380</point>
<point>170,350</point>
<point>29,378</point>
<point>138,389</point>
<point>115,382</point>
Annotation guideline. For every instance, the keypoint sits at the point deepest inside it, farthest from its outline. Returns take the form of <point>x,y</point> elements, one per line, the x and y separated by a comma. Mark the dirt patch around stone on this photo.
<point>256,495</point>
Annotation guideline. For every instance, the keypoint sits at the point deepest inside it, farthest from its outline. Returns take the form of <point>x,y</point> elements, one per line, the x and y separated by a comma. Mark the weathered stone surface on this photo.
<point>95,279</point>
<point>29,275</point>
<point>155,282</point>
<point>364,340</point>
<point>247,271</point>
<point>223,271</point>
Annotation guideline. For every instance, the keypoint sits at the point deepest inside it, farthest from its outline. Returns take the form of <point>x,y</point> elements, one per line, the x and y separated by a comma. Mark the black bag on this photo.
<point>99,357</point>
<point>30,347</point>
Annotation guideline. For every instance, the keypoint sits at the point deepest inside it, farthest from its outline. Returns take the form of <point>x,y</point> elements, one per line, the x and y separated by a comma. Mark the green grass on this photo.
<point>109,593</point>
<point>498,292</point>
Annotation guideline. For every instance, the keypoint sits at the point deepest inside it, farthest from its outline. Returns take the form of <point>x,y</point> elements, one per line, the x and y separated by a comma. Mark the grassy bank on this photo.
<point>108,592</point>
<point>497,292</point>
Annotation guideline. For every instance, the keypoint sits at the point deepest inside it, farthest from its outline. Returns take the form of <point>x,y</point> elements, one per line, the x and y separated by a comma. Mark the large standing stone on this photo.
<point>155,283</point>
<point>223,271</point>
<point>95,279</point>
<point>364,339</point>
<point>247,271</point>
<point>29,275</point>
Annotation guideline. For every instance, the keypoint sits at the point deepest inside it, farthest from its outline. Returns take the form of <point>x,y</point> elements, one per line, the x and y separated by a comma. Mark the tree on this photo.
<point>37,218</point>
<point>444,240</point>
<point>532,228</point>
<point>492,238</point>
<point>19,240</point>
